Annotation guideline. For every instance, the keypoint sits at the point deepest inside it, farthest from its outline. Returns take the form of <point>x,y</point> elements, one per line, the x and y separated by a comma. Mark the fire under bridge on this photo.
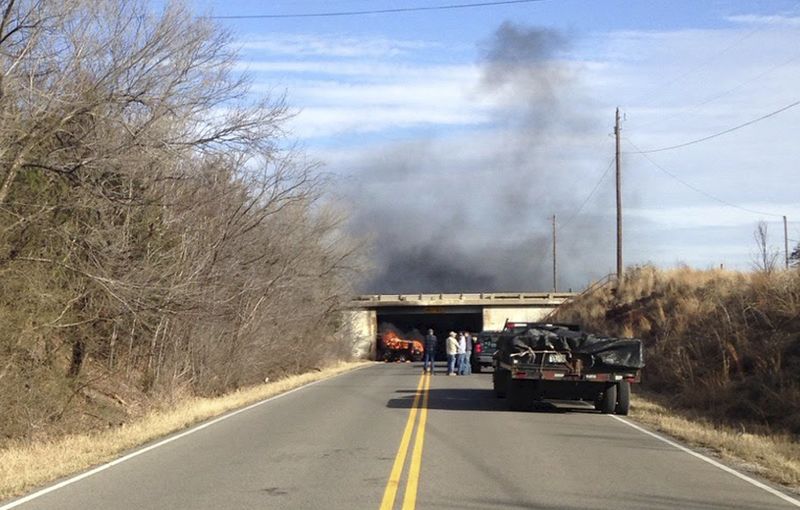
<point>444,312</point>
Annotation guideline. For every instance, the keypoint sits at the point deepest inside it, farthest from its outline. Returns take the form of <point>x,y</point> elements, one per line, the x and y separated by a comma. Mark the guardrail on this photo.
<point>464,296</point>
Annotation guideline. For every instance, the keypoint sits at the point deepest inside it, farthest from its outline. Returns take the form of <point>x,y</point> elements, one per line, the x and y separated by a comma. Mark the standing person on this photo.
<point>452,352</point>
<point>462,352</point>
<point>468,356</point>
<point>430,351</point>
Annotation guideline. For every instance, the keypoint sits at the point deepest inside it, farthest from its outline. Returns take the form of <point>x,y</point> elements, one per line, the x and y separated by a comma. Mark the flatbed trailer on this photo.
<point>525,375</point>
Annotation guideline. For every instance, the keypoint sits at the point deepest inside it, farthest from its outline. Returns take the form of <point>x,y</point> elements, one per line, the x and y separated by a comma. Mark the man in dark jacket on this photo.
<point>430,351</point>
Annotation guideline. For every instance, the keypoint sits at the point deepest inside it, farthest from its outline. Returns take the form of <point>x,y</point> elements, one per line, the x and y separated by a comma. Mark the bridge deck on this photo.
<point>460,299</point>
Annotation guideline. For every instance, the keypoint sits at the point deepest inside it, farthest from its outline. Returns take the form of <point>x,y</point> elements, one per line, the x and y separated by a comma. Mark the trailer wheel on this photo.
<point>609,400</point>
<point>623,398</point>
<point>500,381</point>
<point>519,399</point>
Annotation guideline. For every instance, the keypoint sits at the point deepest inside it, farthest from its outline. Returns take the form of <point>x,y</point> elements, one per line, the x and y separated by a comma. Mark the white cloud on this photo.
<point>336,98</point>
<point>365,70</point>
<point>757,19</point>
<point>302,45</point>
<point>319,121</point>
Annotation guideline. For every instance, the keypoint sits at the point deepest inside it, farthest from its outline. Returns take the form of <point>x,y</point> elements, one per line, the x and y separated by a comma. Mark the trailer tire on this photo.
<point>500,381</point>
<point>519,399</point>
<point>623,398</point>
<point>609,400</point>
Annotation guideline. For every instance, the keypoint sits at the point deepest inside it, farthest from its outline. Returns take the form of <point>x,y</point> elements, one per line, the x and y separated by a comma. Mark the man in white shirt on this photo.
<point>451,345</point>
<point>462,354</point>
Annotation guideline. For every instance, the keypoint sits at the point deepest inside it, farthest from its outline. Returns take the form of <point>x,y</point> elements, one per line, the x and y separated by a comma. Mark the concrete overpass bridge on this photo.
<point>445,312</point>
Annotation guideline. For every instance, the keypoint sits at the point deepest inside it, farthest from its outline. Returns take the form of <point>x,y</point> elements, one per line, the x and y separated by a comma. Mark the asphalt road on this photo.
<point>348,443</point>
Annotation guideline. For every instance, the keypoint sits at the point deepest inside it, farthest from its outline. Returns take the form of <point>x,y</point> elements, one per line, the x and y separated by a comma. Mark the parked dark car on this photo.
<point>483,349</point>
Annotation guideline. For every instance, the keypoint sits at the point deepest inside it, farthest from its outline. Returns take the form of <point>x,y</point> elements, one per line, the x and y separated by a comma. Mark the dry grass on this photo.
<point>25,465</point>
<point>722,352</point>
<point>773,456</point>
<point>724,344</point>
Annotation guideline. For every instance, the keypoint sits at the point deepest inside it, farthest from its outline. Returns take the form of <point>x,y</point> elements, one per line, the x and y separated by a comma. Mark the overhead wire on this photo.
<point>589,196</point>
<point>574,240</point>
<point>707,60</point>
<point>394,10</point>
<point>695,188</point>
<point>703,64</point>
<point>710,59</point>
<point>721,133</point>
<point>722,94</point>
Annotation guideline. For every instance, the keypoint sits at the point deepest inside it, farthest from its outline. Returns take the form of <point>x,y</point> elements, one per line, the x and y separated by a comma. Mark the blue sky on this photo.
<point>399,106</point>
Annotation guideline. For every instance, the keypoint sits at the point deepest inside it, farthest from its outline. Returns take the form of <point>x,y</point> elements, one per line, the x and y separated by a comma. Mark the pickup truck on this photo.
<point>483,350</point>
<point>561,362</point>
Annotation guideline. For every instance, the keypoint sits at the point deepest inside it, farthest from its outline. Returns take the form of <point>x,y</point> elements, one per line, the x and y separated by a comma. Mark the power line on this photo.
<point>376,11</point>
<point>708,60</point>
<point>722,94</point>
<point>711,58</point>
<point>725,132</point>
<point>695,188</point>
<point>590,195</point>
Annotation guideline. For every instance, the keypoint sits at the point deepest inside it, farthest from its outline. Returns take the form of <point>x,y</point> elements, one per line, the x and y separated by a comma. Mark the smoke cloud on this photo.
<point>470,212</point>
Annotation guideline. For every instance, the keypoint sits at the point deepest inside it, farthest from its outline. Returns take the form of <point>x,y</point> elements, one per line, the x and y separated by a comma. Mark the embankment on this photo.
<point>723,344</point>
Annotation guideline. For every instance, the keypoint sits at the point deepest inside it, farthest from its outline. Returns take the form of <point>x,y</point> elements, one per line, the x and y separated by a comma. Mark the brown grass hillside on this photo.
<point>724,344</point>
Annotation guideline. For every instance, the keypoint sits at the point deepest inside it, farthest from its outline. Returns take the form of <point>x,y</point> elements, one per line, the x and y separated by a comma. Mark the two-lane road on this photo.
<point>386,437</point>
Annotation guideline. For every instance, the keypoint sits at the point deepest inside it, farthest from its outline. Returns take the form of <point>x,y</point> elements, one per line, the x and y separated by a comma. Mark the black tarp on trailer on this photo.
<point>610,352</point>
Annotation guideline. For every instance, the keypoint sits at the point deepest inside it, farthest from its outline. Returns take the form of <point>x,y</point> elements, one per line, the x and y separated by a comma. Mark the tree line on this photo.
<point>155,220</point>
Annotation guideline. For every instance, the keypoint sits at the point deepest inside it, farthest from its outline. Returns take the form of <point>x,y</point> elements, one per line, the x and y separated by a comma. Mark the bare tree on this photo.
<point>766,258</point>
<point>153,218</point>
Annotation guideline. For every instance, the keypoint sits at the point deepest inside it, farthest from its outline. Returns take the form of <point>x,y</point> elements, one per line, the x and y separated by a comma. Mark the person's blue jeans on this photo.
<point>428,358</point>
<point>467,363</point>
<point>462,364</point>
<point>451,363</point>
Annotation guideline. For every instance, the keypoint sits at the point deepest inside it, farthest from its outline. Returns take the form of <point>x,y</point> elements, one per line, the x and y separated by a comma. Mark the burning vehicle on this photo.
<point>397,346</point>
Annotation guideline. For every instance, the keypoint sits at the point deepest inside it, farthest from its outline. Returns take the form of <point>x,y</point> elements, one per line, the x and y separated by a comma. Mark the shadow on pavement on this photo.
<point>473,399</point>
<point>623,499</point>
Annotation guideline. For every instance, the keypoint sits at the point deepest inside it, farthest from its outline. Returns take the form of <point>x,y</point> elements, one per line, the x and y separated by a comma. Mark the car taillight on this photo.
<point>478,348</point>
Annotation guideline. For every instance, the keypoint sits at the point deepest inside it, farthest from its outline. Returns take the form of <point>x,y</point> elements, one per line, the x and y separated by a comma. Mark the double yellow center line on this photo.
<point>412,482</point>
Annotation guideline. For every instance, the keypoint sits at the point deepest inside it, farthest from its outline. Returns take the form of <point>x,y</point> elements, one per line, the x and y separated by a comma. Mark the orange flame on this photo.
<point>394,342</point>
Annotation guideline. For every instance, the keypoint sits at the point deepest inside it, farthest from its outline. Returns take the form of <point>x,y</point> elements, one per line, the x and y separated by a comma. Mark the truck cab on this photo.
<point>483,350</point>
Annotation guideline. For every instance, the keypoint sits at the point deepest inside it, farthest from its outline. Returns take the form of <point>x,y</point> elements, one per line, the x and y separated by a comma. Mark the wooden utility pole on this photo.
<point>619,199</point>
<point>555,273</point>
<point>786,241</point>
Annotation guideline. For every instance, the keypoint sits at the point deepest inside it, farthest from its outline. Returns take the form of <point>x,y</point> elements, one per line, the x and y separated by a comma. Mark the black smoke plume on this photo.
<point>445,223</point>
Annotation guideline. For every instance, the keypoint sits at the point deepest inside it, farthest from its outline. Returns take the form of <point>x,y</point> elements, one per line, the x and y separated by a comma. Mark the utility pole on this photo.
<point>786,241</point>
<point>619,199</point>
<point>555,273</point>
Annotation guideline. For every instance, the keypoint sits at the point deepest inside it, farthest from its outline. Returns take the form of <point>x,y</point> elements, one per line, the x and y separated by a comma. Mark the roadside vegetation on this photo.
<point>774,456</point>
<point>25,465</point>
<point>722,352</point>
<point>160,238</point>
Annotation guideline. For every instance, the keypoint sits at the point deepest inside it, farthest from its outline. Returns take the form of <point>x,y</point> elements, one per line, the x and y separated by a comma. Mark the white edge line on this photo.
<point>711,461</point>
<point>170,439</point>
